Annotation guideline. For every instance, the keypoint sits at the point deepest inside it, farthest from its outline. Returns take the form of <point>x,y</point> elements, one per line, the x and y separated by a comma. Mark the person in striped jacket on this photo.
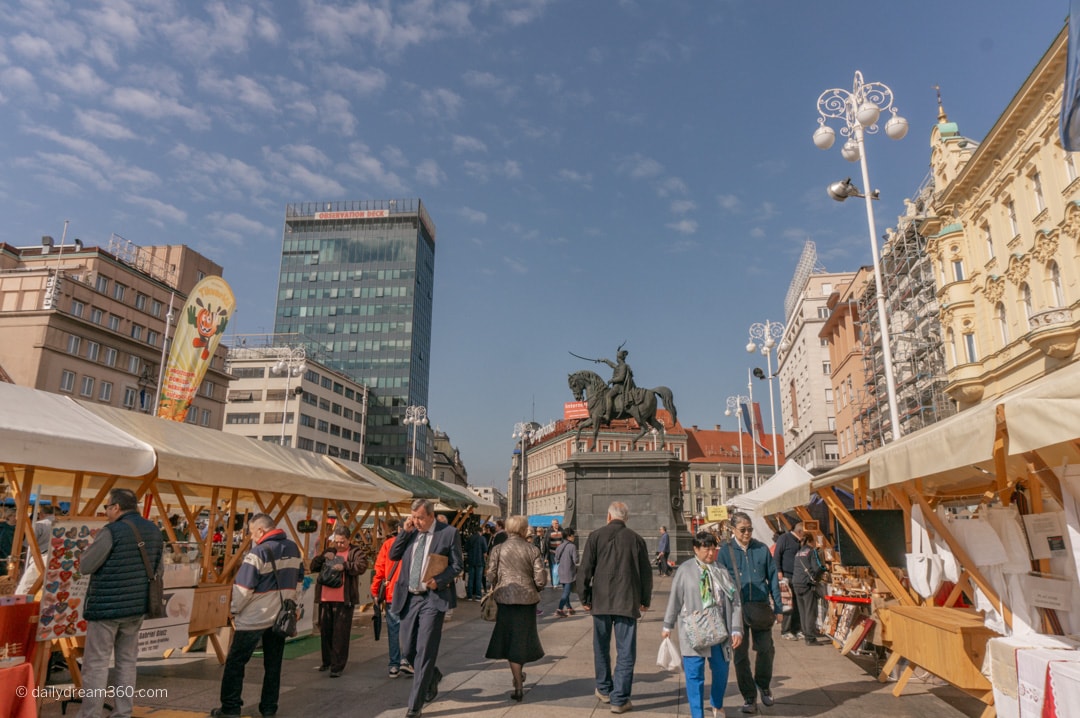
<point>258,592</point>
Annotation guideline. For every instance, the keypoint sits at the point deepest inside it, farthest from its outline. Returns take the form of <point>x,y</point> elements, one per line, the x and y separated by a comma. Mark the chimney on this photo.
<point>694,427</point>
<point>717,427</point>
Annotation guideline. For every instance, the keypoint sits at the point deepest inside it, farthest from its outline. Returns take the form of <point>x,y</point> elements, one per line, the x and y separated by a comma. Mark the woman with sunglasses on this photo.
<point>697,585</point>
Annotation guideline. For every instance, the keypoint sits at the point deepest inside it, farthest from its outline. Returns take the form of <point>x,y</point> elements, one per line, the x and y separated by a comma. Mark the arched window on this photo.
<point>1025,300</point>
<point>1003,324</point>
<point>1053,271</point>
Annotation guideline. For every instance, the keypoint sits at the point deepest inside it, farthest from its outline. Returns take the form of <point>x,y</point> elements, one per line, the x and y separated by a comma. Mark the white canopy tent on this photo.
<point>790,478</point>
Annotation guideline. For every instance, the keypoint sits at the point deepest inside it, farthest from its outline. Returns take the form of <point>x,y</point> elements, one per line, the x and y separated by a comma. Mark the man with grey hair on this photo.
<point>430,555</point>
<point>616,585</point>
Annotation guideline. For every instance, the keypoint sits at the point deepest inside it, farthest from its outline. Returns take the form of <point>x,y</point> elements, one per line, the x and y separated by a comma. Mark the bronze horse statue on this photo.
<point>590,387</point>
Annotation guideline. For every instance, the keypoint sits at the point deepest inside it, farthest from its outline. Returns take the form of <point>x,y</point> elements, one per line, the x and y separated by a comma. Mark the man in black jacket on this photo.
<point>786,547</point>
<point>116,601</point>
<point>616,585</point>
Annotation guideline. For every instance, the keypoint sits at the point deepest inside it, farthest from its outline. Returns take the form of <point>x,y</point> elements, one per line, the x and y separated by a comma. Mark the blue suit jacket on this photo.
<point>445,541</point>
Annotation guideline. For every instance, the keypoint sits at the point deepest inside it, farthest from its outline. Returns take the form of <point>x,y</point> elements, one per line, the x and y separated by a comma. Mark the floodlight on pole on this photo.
<point>767,334</point>
<point>415,416</point>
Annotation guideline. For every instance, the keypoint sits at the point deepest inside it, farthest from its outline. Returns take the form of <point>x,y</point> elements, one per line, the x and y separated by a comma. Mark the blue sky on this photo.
<point>598,172</point>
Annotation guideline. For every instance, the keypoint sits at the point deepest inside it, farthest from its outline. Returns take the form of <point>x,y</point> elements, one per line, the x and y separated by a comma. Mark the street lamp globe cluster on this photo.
<point>415,416</point>
<point>766,335</point>
<point>291,364</point>
<point>859,111</point>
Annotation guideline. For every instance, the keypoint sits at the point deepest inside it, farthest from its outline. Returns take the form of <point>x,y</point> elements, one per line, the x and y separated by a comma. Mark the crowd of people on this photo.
<point>722,602</point>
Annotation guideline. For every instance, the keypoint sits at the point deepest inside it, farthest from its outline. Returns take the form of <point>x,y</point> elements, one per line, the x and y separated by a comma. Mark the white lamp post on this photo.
<point>733,403</point>
<point>768,334</point>
<point>415,416</point>
<point>859,110</point>
<point>290,363</point>
<point>525,432</point>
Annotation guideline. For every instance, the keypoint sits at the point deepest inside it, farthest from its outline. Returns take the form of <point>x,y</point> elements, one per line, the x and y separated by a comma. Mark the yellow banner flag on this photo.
<point>198,333</point>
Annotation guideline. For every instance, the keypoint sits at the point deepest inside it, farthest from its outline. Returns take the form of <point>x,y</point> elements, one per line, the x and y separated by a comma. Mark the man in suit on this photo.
<point>616,585</point>
<point>422,604</point>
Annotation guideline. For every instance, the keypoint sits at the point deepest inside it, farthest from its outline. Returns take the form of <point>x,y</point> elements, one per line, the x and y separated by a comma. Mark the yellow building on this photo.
<point>1004,237</point>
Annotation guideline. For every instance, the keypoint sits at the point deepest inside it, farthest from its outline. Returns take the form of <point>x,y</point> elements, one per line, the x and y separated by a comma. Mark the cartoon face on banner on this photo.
<point>63,587</point>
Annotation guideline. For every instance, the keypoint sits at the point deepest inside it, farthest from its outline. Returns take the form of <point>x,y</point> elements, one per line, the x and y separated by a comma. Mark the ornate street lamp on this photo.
<point>290,363</point>
<point>767,335</point>
<point>524,432</point>
<point>859,111</point>
<point>415,416</point>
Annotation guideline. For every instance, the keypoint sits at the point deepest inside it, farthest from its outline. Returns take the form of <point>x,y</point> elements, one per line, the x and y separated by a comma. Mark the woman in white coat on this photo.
<point>697,585</point>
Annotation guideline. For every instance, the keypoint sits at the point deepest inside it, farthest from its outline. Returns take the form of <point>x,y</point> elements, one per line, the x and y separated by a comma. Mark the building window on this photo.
<point>155,308</point>
<point>192,416</point>
<point>1003,324</point>
<point>958,270</point>
<point>92,350</point>
<point>73,344</point>
<point>831,454</point>
<point>105,394</point>
<point>826,368</point>
<point>1056,290</point>
<point>969,348</point>
<point>140,302</point>
<point>134,364</point>
<point>712,481</point>
<point>87,386</point>
<point>102,284</point>
<point>988,240</point>
<point>118,292</point>
<point>1014,225</point>
<point>151,338</point>
<point>826,289</point>
<point>832,423</point>
<point>1025,301</point>
<point>130,394</point>
<point>114,322</point>
<point>96,315</point>
<point>208,389</point>
<point>828,396</point>
<point>77,308</point>
<point>1036,188</point>
<point>136,332</point>
<point>110,356</point>
<point>67,381</point>
<point>204,417</point>
<point>242,418</point>
<point>823,312</point>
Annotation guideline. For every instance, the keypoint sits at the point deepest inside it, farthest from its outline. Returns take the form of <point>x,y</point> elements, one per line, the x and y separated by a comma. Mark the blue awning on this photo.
<point>544,519</point>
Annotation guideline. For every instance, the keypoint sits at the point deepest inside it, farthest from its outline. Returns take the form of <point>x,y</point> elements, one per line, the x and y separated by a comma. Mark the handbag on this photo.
<point>285,620</point>
<point>155,606</point>
<point>758,615</point>
<point>925,569</point>
<point>489,610</point>
<point>328,576</point>
<point>380,596</point>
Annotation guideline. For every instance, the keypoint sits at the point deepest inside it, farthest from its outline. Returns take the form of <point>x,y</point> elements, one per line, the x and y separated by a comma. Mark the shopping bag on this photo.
<point>668,656</point>
<point>925,569</point>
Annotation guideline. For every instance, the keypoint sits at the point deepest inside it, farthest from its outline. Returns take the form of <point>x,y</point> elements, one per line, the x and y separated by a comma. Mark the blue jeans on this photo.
<point>564,602</point>
<point>474,584</point>
<point>694,667</point>
<point>616,685</point>
<point>393,637</point>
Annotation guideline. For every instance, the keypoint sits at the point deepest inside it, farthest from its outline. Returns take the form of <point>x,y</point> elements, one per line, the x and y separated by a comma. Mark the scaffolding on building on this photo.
<point>808,265</point>
<point>915,332</point>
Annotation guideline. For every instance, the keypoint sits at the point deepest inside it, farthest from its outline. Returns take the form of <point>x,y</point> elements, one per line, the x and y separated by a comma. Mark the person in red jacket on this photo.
<point>383,580</point>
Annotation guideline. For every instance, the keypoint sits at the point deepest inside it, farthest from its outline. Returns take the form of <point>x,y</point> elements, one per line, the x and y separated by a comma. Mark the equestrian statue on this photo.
<point>618,398</point>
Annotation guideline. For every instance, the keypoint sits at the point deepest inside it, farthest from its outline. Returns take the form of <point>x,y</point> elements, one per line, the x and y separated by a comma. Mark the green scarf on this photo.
<point>705,585</point>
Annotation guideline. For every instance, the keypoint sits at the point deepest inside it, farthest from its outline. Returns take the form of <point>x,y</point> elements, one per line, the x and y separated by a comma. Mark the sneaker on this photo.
<point>407,668</point>
<point>601,696</point>
<point>800,635</point>
<point>220,713</point>
<point>571,611</point>
<point>748,707</point>
<point>628,706</point>
<point>789,636</point>
<point>559,613</point>
<point>394,671</point>
<point>767,699</point>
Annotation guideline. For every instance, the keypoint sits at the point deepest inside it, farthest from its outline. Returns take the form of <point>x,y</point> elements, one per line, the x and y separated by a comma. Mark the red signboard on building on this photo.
<point>354,214</point>
<point>576,410</point>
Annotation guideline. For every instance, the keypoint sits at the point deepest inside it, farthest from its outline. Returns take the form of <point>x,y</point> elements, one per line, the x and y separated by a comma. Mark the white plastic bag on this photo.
<point>668,656</point>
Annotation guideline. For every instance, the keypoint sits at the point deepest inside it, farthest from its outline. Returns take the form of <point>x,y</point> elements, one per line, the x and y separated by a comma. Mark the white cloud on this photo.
<point>335,113</point>
<point>481,80</point>
<point>17,79</point>
<point>102,124</point>
<point>729,202</point>
<point>516,265</point>
<point>155,106</point>
<point>361,82</point>
<point>473,215</point>
<point>638,166</point>
<point>245,90</point>
<point>79,78</point>
<point>342,27</point>
<point>307,154</point>
<point>684,226</point>
<point>682,206</point>
<point>71,166</point>
<point>550,83</point>
<point>394,156</point>
<point>227,32</point>
<point>363,166</point>
<point>33,48</point>
<point>428,173</point>
<point>481,171</point>
<point>461,143</point>
<point>236,227</point>
<point>441,102</point>
<point>578,178</point>
<point>671,185</point>
<point>161,210</point>
<point>321,185</point>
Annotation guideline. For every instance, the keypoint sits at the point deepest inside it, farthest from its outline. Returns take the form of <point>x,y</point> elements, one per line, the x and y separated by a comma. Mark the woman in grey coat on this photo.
<point>698,584</point>
<point>566,559</point>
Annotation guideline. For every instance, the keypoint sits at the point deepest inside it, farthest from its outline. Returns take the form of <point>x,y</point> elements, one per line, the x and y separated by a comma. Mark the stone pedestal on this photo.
<point>648,482</point>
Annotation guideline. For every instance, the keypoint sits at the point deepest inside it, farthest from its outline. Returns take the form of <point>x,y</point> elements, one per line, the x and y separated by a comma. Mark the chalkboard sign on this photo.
<point>885,530</point>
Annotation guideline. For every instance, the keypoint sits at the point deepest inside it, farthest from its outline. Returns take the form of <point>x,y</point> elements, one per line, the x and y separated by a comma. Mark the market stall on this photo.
<point>994,493</point>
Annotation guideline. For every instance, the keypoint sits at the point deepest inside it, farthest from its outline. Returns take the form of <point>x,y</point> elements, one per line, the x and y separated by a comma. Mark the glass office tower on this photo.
<point>356,289</point>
